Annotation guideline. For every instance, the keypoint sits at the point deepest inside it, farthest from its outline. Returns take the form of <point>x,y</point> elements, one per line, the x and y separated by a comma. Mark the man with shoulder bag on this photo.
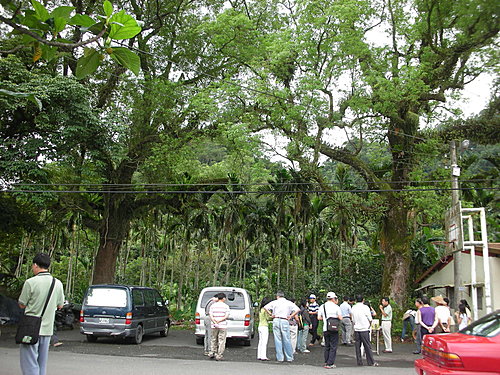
<point>40,297</point>
<point>331,316</point>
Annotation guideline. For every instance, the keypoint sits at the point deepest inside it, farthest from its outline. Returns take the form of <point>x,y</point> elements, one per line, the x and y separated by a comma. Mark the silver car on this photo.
<point>240,324</point>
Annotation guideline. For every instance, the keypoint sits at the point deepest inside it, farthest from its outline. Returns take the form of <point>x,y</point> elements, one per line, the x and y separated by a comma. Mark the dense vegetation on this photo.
<point>265,144</point>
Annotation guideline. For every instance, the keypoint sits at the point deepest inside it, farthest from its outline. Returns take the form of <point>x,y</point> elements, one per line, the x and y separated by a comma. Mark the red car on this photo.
<point>473,350</point>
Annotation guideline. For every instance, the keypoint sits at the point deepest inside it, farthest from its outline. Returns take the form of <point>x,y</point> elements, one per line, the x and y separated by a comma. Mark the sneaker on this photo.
<point>218,358</point>
<point>386,351</point>
<point>58,344</point>
<point>329,366</point>
<point>416,352</point>
<point>206,353</point>
<point>306,351</point>
<point>376,364</point>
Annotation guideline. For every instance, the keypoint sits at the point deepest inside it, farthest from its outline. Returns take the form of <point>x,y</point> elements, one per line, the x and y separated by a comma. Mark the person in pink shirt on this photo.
<point>219,312</point>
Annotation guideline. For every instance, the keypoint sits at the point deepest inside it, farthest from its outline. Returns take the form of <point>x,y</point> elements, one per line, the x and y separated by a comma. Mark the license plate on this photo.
<point>104,320</point>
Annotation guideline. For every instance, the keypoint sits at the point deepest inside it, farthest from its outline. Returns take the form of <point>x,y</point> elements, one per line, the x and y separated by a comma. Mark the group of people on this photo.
<point>292,324</point>
<point>430,320</point>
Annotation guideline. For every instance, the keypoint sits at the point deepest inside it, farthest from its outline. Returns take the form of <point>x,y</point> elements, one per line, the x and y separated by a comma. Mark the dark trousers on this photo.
<point>314,330</point>
<point>423,332</point>
<point>363,337</point>
<point>418,340</point>
<point>331,343</point>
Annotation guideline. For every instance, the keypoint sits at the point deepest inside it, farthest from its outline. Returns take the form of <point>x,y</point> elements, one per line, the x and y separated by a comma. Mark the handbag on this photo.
<point>28,330</point>
<point>300,322</point>
<point>332,324</point>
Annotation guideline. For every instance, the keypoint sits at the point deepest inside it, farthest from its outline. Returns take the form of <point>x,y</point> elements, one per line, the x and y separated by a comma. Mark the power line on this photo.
<point>241,192</point>
<point>238,184</point>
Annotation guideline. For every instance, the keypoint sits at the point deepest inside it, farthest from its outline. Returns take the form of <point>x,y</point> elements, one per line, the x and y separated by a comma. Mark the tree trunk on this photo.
<point>112,233</point>
<point>395,240</point>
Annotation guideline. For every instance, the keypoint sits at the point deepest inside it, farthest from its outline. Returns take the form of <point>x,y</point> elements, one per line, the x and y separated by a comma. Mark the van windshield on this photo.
<point>106,297</point>
<point>235,300</point>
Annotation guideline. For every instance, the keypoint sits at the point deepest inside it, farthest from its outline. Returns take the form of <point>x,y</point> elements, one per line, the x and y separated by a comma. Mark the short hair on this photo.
<point>425,300</point>
<point>385,299</point>
<point>346,298</point>
<point>447,300</point>
<point>265,301</point>
<point>42,260</point>
<point>359,298</point>
<point>279,293</point>
<point>221,295</point>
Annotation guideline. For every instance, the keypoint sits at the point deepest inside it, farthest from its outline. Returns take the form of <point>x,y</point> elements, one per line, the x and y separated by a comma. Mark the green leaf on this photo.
<point>59,24</point>
<point>31,97</point>
<point>123,26</point>
<point>127,58</point>
<point>88,63</point>
<point>41,12</point>
<point>63,12</point>
<point>96,28</point>
<point>82,20</point>
<point>49,53</point>
<point>108,8</point>
<point>33,22</point>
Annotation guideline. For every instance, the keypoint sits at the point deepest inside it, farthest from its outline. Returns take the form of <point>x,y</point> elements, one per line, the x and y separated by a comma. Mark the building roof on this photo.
<point>493,251</point>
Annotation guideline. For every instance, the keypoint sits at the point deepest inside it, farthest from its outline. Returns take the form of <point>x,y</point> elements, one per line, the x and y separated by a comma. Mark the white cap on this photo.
<point>312,296</point>
<point>331,295</point>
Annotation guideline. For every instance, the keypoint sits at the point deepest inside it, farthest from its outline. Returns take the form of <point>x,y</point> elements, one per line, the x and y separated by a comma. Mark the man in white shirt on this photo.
<point>282,310</point>
<point>345,309</point>
<point>330,310</point>
<point>362,319</point>
<point>219,312</point>
<point>386,311</point>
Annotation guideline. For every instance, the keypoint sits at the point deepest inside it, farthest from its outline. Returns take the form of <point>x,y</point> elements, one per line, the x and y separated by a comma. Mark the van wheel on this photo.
<point>200,340</point>
<point>139,334</point>
<point>164,332</point>
<point>246,342</point>
<point>91,338</point>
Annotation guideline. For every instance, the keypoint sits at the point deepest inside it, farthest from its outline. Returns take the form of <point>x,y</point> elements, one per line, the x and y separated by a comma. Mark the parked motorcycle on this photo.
<point>65,317</point>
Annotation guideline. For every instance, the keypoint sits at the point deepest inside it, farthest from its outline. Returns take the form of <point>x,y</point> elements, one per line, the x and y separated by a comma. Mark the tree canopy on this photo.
<point>143,135</point>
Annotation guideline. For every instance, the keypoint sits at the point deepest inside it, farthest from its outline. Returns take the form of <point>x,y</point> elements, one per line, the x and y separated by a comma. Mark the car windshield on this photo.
<point>106,297</point>
<point>487,326</point>
<point>235,300</point>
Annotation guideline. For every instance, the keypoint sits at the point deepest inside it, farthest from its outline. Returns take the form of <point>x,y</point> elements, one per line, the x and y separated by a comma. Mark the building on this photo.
<point>438,279</point>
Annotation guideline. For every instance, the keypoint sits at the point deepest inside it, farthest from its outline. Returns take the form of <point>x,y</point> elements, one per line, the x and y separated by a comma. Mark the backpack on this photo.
<point>332,324</point>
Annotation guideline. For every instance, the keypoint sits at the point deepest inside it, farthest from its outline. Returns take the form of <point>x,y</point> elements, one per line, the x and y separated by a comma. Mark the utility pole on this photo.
<point>455,201</point>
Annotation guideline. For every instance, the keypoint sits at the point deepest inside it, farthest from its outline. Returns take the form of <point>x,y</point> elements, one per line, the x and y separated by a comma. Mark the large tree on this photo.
<point>377,70</point>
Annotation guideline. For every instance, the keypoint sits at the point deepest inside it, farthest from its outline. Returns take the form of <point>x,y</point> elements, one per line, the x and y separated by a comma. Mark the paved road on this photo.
<point>179,354</point>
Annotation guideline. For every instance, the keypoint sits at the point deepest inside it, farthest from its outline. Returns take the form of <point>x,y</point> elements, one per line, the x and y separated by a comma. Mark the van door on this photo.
<point>151,310</point>
<point>139,313</point>
<point>160,311</point>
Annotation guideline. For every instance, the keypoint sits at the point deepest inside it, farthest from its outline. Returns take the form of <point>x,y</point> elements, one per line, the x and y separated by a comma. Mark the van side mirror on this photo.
<point>166,302</point>
<point>255,304</point>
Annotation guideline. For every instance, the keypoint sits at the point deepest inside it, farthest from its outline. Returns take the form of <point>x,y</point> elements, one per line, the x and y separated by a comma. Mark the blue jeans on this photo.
<point>33,358</point>
<point>302,339</point>
<point>282,340</point>
<point>411,321</point>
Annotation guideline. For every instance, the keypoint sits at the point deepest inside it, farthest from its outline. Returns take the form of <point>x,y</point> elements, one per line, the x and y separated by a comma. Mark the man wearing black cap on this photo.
<point>33,358</point>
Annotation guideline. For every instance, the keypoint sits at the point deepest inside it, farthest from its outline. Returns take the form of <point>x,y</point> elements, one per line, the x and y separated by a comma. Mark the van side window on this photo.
<point>159,300</point>
<point>137,297</point>
<point>149,298</point>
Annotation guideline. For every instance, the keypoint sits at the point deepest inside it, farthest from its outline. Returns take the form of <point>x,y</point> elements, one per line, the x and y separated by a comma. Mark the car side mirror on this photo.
<point>255,304</point>
<point>166,302</point>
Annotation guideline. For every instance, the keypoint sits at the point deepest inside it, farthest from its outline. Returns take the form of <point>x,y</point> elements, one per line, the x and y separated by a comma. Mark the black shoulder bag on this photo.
<point>28,329</point>
<point>332,324</point>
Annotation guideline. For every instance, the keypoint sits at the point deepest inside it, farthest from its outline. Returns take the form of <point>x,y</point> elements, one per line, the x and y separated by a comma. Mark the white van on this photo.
<point>240,324</point>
